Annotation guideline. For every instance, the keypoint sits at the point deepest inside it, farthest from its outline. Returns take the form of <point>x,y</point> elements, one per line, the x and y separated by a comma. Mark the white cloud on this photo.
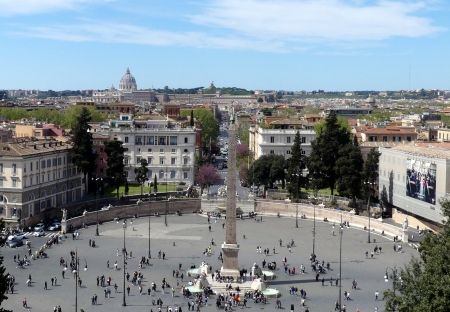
<point>124,33</point>
<point>25,7</point>
<point>322,20</point>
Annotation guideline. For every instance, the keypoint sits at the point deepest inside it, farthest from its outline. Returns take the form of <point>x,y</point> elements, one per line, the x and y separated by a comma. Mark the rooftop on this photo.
<point>28,147</point>
<point>436,150</point>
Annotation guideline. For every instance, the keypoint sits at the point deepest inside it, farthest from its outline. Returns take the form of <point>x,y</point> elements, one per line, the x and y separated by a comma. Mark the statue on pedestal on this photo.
<point>64,216</point>
<point>405,223</point>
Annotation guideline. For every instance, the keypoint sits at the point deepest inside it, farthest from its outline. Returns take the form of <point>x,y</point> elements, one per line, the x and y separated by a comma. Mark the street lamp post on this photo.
<point>296,201</point>
<point>96,178</point>
<point>368,208</point>
<point>394,280</point>
<point>314,230</point>
<point>149,232</point>
<point>124,303</point>
<point>341,232</point>
<point>77,276</point>
<point>167,199</point>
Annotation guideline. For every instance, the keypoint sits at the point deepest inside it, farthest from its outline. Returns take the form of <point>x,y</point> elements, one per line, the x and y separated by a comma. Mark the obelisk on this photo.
<point>230,248</point>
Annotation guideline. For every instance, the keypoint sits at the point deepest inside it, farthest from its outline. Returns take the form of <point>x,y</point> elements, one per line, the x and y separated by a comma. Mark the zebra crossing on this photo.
<point>48,235</point>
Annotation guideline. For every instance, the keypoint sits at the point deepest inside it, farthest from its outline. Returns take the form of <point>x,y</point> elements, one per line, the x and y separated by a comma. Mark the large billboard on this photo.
<point>421,180</point>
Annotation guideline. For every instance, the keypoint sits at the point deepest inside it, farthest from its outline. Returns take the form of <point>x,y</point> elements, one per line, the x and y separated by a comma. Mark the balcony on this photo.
<point>186,167</point>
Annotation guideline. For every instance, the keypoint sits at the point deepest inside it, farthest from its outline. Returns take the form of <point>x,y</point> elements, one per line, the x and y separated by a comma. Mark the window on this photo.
<point>126,173</point>
<point>48,177</point>
<point>54,162</point>
<point>439,135</point>
<point>185,175</point>
<point>37,165</point>
<point>24,168</point>
<point>43,178</point>
<point>64,160</point>
<point>31,181</point>
<point>272,139</point>
<point>43,164</point>
<point>161,150</point>
<point>186,140</point>
<point>149,150</point>
<point>185,161</point>
<point>14,168</point>
<point>161,160</point>
<point>288,140</point>
<point>150,141</point>
<point>303,139</point>
<point>139,140</point>
<point>173,151</point>
<point>31,166</point>
<point>385,138</point>
<point>125,160</point>
<point>59,161</point>
<point>162,141</point>
<point>24,183</point>
<point>138,150</point>
<point>14,182</point>
<point>408,139</point>
<point>138,160</point>
<point>69,159</point>
<point>49,163</point>
<point>64,173</point>
<point>101,160</point>
<point>173,160</point>
<point>101,150</point>
<point>303,152</point>
<point>149,160</point>
<point>1,182</point>
<point>288,152</point>
<point>173,140</point>
<point>272,152</point>
<point>126,139</point>
<point>37,179</point>
<point>54,175</point>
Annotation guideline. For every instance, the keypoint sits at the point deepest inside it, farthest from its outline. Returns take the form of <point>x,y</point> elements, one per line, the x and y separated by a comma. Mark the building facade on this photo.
<point>413,177</point>
<point>278,141</point>
<point>37,176</point>
<point>168,149</point>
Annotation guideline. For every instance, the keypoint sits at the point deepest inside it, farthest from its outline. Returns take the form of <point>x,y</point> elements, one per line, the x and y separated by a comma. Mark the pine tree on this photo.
<point>296,164</point>
<point>115,174</point>
<point>83,155</point>
<point>349,169</point>
<point>325,153</point>
<point>155,185</point>
<point>191,122</point>
<point>142,173</point>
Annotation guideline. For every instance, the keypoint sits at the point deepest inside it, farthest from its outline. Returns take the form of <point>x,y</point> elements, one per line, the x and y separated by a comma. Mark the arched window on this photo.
<point>186,140</point>
<point>172,174</point>
<point>31,197</point>
<point>161,174</point>
<point>149,174</point>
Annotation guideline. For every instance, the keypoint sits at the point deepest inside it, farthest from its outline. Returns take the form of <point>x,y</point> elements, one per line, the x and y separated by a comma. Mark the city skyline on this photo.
<point>333,45</point>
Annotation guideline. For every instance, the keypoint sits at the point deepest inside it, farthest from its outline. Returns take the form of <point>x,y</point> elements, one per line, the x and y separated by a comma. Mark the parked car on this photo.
<point>39,233</point>
<point>254,188</point>
<point>220,166</point>
<point>39,226</point>
<point>19,235</point>
<point>14,242</point>
<point>243,184</point>
<point>55,226</point>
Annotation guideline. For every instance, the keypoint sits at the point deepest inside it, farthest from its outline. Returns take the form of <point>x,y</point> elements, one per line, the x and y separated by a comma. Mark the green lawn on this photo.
<point>136,189</point>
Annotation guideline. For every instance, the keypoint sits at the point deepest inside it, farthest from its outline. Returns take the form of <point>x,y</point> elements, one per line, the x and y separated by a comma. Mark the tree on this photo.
<point>206,176</point>
<point>242,150</point>
<point>296,163</point>
<point>266,111</point>
<point>3,277</point>
<point>70,115</point>
<point>243,172</point>
<point>83,155</point>
<point>266,170</point>
<point>142,173</point>
<point>423,284</point>
<point>349,169</point>
<point>191,121</point>
<point>330,138</point>
<point>209,124</point>
<point>260,100</point>
<point>115,174</point>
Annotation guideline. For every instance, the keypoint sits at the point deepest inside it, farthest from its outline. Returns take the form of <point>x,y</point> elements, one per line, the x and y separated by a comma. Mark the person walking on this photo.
<point>117,251</point>
<point>45,285</point>
<point>292,307</point>
<point>376,295</point>
<point>24,303</point>
<point>128,290</point>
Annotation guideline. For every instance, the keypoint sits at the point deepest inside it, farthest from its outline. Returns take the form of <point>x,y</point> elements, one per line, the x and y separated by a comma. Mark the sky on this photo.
<point>332,45</point>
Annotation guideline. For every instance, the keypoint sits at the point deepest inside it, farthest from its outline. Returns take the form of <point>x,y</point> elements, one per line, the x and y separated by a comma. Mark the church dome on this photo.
<point>127,83</point>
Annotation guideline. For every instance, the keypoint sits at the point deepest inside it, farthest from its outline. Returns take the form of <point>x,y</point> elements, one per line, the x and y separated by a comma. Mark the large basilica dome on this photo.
<point>127,83</point>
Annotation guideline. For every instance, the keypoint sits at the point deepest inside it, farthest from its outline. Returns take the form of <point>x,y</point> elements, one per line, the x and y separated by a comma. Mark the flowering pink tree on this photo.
<point>243,171</point>
<point>206,176</point>
<point>242,150</point>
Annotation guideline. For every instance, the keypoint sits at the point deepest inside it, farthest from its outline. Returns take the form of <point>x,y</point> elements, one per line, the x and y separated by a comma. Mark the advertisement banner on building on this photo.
<point>421,180</point>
